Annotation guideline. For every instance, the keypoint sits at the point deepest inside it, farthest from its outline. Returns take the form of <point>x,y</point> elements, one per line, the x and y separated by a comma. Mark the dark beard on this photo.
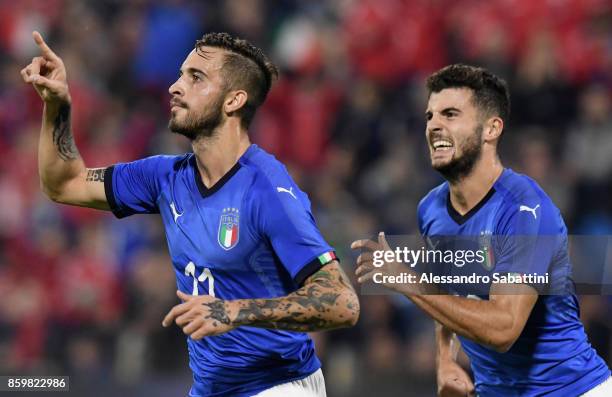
<point>203,126</point>
<point>458,168</point>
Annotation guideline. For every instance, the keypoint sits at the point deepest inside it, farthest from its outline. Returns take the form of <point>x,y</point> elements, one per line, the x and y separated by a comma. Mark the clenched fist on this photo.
<point>453,381</point>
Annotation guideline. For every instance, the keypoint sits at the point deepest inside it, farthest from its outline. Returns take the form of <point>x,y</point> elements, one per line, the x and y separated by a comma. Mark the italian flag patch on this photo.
<point>229,228</point>
<point>327,257</point>
<point>489,260</point>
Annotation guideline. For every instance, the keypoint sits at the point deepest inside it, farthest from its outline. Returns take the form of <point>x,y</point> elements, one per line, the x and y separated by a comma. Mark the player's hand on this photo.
<point>365,263</point>
<point>199,316</point>
<point>47,74</point>
<point>453,381</point>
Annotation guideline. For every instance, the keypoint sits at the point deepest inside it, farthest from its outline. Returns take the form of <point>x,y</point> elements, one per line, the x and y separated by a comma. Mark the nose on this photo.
<point>433,125</point>
<point>176,89</point>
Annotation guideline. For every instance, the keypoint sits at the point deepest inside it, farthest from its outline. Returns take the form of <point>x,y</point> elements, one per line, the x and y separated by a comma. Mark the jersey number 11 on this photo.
<point>190,270</point>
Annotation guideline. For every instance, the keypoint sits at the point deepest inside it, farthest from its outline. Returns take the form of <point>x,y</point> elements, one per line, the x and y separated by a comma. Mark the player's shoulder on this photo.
<point>519,189</point>
<point>523,199</point>
<point>270,176</point>
<point>266,169</point>
<point>436,198</point>
<point>159,164</point>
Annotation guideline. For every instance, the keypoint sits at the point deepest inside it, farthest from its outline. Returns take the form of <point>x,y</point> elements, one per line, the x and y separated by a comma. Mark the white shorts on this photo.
<point>311,386</point>
<point>601,390</point>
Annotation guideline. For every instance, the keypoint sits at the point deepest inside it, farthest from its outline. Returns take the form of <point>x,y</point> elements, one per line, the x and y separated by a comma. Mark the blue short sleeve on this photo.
<point>133,188</point>
<point>528,238</point>
<point>285,218</point>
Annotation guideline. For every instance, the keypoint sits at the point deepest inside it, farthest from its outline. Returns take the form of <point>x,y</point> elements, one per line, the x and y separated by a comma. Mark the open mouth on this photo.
<point>440,145</point>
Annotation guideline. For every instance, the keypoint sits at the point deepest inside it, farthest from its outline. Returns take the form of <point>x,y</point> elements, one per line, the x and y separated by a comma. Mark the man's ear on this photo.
<point>493,129</point>
<point>235,100</point>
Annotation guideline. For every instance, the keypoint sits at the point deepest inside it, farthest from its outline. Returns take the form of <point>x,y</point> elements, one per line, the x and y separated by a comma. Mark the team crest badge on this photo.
<point>486,247</point>
<point>229,228</point>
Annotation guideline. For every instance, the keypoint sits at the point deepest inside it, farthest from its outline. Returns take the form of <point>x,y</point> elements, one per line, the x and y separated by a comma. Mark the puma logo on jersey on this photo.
<point>532,210</point>
<point>174,213</point>
<point>283,190</point>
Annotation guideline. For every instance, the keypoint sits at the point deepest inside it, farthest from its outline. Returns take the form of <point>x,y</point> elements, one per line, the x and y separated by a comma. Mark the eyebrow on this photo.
<point>192,70</point>
<point>443,111</point>
<point>450,109</point>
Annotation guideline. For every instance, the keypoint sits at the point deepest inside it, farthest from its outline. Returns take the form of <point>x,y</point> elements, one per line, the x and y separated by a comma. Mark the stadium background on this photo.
<point>84,294</point>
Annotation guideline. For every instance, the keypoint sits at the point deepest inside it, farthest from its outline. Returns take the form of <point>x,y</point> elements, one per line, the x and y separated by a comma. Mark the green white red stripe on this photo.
<point>327,257</point>
<point>489,259</point>
<point>228,236</point>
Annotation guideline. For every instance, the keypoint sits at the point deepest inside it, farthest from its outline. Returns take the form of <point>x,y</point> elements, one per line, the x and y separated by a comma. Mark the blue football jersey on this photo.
<point>251,235</point>
<point>552,356</point>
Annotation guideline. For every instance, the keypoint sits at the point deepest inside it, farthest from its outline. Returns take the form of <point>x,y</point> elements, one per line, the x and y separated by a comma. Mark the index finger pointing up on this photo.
<point>44,48</point>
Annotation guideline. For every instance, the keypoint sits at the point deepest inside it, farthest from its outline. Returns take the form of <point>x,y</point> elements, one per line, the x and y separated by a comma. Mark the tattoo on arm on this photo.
<point>327,300</point>
<point>95,175</point>
<point>218,312</point>
<point>62,135</point>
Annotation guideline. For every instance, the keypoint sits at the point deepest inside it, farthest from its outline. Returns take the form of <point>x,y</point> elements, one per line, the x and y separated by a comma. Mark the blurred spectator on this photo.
<point>587,151</point>
<point>540,96</point>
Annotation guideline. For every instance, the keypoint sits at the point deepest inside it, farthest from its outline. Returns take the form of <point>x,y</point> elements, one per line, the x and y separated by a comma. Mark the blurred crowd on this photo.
<point>84,294</point>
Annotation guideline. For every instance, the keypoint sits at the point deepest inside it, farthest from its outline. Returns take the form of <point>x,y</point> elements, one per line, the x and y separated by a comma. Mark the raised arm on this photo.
<point>325,301</point>
<point>63,175</point>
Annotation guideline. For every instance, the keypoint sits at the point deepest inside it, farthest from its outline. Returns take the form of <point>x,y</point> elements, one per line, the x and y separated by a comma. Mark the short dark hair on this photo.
<point>245,67</point>
<point>490,93</point>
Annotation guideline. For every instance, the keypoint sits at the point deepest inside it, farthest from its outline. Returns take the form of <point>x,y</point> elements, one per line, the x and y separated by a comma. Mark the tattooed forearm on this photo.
<point>327,300</point>
<point>95,175</point>
<point>62,134</point>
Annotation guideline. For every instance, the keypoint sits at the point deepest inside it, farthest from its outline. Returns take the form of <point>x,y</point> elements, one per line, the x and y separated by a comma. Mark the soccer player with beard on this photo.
<point>252,269</point>
<point>520,341</point>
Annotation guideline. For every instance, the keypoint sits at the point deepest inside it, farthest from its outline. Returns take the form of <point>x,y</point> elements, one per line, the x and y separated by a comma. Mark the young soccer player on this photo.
<point>252,269</point>
<point>520,343</point>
